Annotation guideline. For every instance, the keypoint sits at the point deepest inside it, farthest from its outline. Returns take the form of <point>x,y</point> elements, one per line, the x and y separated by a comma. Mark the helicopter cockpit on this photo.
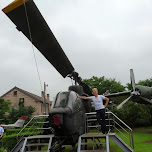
<point>66,102</point>
<point>61,100</point>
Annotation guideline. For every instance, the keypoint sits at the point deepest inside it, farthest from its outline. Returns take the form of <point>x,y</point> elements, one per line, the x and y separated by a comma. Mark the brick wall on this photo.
<point>28,101</point>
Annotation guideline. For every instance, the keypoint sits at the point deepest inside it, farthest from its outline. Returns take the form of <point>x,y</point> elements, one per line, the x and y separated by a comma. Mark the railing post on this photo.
<point>107,144</point>
<point>109,121</point>
<point>114,125</point>
<point>85,123</point>
<point>132,140</point>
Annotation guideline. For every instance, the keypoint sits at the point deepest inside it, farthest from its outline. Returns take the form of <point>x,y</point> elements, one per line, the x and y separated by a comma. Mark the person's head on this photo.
<point>95,91</point>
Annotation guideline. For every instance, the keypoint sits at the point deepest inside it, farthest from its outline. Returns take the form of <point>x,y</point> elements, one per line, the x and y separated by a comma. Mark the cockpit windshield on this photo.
<point>61,100</point>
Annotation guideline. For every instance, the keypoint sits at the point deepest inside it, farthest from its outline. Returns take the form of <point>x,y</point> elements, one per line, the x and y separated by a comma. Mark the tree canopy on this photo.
<point>4,108</point>
<point>104,84</point>
<point>21,111</point>
<point>135,115</point>
<point>147,82</point>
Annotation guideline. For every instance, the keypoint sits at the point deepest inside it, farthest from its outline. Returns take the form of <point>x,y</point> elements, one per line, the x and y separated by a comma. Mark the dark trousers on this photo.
<point>101,120</point>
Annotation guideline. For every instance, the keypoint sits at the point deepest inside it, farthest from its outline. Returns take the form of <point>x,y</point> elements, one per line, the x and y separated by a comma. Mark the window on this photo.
<point>62,99</point>
<point>21,100</point>
<point>77,105</point>
<point>15,93</point>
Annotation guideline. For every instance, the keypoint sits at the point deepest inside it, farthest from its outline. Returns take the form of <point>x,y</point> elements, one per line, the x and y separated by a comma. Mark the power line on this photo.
<point>32,43</point>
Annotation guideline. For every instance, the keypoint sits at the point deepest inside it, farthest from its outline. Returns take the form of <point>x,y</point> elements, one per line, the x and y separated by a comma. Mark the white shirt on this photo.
<point>1,130</point>
<point>98,102</point>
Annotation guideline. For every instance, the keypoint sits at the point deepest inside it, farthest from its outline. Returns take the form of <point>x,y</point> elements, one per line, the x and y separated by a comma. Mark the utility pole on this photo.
<point>44,103</point>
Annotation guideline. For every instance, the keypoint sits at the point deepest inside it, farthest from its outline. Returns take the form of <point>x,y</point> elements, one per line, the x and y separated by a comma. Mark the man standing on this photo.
<point>99,107</point>
<point>1,132</point>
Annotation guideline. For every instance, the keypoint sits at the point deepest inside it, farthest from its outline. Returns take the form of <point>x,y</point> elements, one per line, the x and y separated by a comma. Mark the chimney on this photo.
<point>48,97</point>
<point>42,94</point>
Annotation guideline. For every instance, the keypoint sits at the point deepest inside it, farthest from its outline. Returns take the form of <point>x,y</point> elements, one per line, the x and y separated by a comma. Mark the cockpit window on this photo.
<point>77,105</point>
<point>62,99</point>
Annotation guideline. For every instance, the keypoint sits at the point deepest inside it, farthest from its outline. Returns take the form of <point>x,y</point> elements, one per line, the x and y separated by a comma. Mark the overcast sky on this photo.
<point>100,38</point>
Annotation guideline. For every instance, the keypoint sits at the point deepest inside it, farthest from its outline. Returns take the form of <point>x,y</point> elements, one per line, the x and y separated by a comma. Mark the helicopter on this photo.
<point>67,114</point>
<point>138,93</point>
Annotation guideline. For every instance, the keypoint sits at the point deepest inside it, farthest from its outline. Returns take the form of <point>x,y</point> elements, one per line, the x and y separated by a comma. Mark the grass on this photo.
<point>140,142</point>
<point>142,139</point>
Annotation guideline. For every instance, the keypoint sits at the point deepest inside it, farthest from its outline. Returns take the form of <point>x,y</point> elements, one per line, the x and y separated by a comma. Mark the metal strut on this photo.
<point>57,148</point>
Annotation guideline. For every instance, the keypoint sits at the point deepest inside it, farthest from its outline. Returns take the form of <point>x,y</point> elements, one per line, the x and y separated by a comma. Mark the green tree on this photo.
<point>103,84</point>
<point>4,108</point>
<point>147,82</point>
<point>21,111</point>
<point>128,86</point>
<point>135,115</point>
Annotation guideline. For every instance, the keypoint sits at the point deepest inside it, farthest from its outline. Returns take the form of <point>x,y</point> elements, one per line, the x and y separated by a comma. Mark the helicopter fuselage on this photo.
<point>144,91</point>
<point>67,114</point>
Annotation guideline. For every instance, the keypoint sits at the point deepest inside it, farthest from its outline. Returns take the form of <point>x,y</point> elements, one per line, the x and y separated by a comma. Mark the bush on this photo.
<point>135,115</point>
<point>15,114</point>
<point>10,141</point>
<point>14,131</point>
<point>1,149</point>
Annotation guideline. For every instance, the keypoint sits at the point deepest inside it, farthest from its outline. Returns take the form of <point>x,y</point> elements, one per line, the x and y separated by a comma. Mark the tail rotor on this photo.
<point>133,90</point>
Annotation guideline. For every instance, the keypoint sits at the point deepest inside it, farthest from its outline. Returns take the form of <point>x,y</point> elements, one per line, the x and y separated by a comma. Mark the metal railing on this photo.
<point>114,124</point>
<point>34,126</point>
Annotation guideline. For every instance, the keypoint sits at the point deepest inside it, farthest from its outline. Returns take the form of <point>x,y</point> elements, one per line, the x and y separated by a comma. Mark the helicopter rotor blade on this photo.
<point>126,100</point>
<point>41,36</point>
<point>132,78</point>
<point>35,28</point>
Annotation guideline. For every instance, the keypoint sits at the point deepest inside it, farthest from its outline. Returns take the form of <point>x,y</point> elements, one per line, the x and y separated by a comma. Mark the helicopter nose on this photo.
<point>57,119</point>
<point>60,111</point>
<point>56,115</point>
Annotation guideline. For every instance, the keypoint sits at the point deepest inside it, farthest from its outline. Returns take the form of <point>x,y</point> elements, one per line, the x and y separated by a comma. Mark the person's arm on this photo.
<point>1,135</point>
<point>107,100</point>
<point>83,97</point>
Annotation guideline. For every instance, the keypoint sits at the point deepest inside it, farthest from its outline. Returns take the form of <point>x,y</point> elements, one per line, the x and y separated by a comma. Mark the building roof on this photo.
<point>31,95</point>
